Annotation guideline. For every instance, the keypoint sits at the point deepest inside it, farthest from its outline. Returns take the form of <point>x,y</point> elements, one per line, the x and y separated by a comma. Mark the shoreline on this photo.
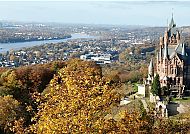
<point>23,41</point>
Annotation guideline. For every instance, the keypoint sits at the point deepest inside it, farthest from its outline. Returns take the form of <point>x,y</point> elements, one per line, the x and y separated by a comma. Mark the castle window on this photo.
<point>170,80</point>
<point>179,70</point>
<point>178,80</point>
<point>174,81</point>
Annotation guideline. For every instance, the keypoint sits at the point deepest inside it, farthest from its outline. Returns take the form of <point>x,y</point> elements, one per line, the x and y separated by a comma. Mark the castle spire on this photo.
<point>172,14</point>
<point>151,68</point>
<point>172,24</point>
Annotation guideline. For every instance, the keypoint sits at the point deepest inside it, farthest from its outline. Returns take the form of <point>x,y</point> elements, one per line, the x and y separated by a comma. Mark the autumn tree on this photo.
<point>156,89</point>
<point>5,91</point>
<point>79,99</point>
<point>26,83</point>
<point>10,110</point>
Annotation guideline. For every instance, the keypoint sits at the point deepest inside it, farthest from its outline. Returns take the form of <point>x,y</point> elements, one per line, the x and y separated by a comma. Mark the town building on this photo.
<point>98,58</point>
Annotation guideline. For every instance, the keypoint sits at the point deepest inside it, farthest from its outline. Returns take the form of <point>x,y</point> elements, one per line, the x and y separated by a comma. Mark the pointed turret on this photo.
<point>158,58</point>
<point>161,41</point>
<point>151,69</point>
<point>166,37</point>
<point>160,54</point>
<point>172,24</point>
<point>178,35</point>
<point>165,51</point>
<point>178,38</point>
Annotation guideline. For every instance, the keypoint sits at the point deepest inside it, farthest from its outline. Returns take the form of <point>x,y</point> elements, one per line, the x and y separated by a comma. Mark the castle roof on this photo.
<point>172,30</point>
<point>173,45</point>
<point>180,50</point>
<point>172,24</point>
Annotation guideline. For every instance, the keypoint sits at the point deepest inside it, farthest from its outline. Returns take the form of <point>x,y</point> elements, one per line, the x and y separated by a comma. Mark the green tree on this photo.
<point>156,89</point>
<point>5,91</point>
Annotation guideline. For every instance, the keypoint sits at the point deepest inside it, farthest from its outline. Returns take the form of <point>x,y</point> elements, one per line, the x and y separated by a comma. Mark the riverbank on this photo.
<point>4,47</point>
<point>19,40</point>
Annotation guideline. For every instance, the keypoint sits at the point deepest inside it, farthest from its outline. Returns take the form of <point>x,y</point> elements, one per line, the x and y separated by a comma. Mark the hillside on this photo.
<point>70,97</point>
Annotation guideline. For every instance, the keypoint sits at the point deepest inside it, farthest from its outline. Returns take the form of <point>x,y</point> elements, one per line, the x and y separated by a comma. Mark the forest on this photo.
<point>71,97</point>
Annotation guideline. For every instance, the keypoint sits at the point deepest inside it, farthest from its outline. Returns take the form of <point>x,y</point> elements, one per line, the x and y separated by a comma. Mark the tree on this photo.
<point>5,91</point>
<point>10,110</point>
<point>165,90</point>
<point>78,100</point>
<point>156,89</point>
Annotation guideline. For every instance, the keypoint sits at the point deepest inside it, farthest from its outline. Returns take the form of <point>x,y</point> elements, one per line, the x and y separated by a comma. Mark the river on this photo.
<point>15,46</point>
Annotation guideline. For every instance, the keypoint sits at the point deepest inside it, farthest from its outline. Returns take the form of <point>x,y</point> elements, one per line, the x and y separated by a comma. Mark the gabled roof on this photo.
<point>177,55</point>
<point>172,55</point>
<point>179,52</point>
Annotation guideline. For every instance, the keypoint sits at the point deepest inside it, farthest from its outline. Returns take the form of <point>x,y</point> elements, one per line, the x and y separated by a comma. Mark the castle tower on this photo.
<point>166,37</point>
<point>160,57</point>
<point>172,24</point>
<point>157,58</point>
<point>165,51</point>
<point>173,61</point>
<point>161,42</point>
<point>151,70</point>
<point>178,37</point>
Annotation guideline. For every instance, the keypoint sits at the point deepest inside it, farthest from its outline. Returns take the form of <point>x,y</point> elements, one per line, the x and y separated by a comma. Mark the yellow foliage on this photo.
<point>9,111</point>
<point>78,101</point>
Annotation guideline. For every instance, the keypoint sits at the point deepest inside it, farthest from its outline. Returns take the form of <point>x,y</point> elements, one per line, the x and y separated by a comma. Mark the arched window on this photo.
<point>170,80</point>
<point>178,80</point>
<point>174,81</point>
<point>179,70</point>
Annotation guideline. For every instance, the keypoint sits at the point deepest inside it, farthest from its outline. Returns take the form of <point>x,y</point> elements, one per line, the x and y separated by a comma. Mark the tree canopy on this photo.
<point>78,100</point>
<point>10,110</point>
<point>156,89</point>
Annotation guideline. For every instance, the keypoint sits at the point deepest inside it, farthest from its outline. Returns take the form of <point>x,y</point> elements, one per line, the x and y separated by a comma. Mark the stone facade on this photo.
<point>173,61</point>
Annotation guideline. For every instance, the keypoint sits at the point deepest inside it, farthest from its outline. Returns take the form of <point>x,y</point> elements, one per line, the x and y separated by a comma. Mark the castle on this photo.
<point>172,62</point>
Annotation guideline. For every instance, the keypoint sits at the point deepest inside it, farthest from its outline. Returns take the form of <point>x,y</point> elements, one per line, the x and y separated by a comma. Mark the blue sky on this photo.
<point>141,12</point>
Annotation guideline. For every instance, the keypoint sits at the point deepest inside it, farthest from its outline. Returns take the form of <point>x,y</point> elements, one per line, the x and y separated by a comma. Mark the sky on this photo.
<point>122,12</point>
